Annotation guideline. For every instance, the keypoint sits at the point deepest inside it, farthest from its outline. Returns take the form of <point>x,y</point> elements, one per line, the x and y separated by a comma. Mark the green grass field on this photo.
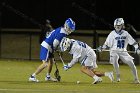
<point>14,79</point>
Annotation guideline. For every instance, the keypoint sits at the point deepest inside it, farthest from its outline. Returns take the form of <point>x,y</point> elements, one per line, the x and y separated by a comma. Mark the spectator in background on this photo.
<point>45,30</point>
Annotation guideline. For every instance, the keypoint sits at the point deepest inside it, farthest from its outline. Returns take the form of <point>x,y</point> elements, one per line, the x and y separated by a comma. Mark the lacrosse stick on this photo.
<point>116,51</point>
<point>61,59</point>
<point>56,73</point>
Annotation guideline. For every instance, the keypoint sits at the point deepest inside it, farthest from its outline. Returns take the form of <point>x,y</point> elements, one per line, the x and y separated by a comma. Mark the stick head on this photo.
<point>57,76</point>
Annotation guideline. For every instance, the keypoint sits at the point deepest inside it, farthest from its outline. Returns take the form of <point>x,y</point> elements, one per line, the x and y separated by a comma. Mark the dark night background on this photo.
<point>57,11</point>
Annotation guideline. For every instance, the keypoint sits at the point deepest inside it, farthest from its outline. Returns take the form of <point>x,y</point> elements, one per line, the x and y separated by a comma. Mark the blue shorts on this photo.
<point>45,54</point>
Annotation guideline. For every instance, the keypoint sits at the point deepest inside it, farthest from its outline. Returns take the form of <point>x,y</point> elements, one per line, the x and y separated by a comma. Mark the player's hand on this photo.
<point>99,49</point>
<point>66,67</point>
<point>137,51</point>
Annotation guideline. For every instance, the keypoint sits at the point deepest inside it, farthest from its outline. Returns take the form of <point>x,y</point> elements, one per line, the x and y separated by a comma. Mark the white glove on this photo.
<point>66,67</point>
<point>99,49</point>
<point>137,51</point>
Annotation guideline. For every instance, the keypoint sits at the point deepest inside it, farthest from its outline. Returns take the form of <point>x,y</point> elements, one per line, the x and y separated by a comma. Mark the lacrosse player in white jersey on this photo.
<point>117,41</point>
<point>86,56</point>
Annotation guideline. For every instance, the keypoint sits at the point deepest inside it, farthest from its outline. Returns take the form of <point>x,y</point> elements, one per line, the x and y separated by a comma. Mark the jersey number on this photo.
<point>120,43</point>
<point>50,34</point>
<point>82,44</point>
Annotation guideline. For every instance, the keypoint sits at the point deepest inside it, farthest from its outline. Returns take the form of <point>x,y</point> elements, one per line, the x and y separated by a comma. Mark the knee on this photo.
<point>44,64</point>
<point>114,59</point>
<point>83,68</point>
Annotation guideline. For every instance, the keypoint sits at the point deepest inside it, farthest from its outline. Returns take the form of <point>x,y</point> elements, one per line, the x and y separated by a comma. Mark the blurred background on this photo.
<point>22,21</point>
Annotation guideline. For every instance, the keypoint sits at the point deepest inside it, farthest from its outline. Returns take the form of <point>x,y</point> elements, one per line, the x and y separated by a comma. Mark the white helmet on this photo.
<point>65,44</point>
<point>119,24</point>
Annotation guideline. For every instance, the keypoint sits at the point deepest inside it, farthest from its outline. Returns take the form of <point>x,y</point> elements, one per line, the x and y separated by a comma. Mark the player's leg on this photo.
<point>49,69</point>
<point>38,70</point>
<point>41,67</point>
<point>92,59</point>
<point>114,61</point>
<point>87,64</point>
<point>108,74</point>
<point>127,59</point>
<point>44,54</point>
<point>88,71</point>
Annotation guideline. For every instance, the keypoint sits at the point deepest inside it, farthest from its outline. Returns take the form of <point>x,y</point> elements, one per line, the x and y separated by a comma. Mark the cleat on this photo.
<point>50,79</point>
<point>33,79</point>
<point>111,76</point>
<point>98,80</point>
<point>137,82</point>
<point>118,78</point>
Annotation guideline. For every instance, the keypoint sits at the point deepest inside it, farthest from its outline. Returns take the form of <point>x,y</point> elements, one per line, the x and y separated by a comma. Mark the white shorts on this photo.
<point>124,56</point>
<point>90,60</point>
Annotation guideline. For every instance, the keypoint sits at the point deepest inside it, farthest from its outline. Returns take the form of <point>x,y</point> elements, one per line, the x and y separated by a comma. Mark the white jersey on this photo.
<point>120,41</point>
<point>83,53</point>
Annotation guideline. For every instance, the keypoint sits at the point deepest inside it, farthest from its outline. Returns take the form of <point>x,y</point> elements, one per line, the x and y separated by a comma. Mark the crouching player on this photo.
<point>49,46</point>
<point>86,56</point>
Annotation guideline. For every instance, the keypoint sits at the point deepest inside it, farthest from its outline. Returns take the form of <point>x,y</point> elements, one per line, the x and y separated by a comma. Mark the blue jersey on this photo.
<point>57,34</point>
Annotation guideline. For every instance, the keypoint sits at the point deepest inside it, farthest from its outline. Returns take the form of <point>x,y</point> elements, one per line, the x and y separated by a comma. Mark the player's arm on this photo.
<point>57,40</point>
<point>55,43</point>
<point>107,44</point>
<point>76,52</point>
<point>73,61</point>
<point>132,41</point>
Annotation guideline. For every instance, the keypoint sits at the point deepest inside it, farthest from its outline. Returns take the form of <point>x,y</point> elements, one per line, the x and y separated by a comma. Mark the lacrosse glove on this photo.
<point>137,51</point>
<point>99,49</point>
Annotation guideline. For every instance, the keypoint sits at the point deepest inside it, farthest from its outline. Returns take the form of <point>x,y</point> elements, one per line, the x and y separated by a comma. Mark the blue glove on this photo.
<point>66,67</point>
<point>99,49</point>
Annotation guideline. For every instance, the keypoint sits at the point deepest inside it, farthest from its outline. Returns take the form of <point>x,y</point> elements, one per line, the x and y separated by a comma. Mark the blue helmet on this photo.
<point>70,23</point>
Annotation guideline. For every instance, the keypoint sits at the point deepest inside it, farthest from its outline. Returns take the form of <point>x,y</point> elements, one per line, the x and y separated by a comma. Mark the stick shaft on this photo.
<point>61,59</point>
<point>117,51</point>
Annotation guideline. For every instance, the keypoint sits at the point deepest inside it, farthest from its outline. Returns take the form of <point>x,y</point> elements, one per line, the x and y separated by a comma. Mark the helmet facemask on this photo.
<point>69,25</point>
<point>118,27</point>
<point>68,30</point>
<point>65,44</point>
<point>119,24</point>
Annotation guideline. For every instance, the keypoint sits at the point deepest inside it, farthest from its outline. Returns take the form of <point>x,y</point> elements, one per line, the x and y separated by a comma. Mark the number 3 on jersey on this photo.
<point>120,43</point>
<point>81,44</point>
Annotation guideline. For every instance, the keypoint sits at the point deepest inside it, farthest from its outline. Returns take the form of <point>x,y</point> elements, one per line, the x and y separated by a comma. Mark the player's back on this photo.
<point>81,47</point>
<point>55,34</point>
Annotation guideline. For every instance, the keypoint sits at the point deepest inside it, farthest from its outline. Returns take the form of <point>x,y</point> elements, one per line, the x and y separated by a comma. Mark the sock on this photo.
<point>33,74</point>
<point>48,75</point>
<point>95,77</point>
<point>106,73</point>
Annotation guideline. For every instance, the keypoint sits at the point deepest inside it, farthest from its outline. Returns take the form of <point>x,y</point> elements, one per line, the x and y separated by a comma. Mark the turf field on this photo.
<point>14,79</point>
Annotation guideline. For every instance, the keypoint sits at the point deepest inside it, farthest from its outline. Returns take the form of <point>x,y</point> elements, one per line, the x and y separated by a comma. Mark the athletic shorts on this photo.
<point>90,60</point>
<point>45,54</point>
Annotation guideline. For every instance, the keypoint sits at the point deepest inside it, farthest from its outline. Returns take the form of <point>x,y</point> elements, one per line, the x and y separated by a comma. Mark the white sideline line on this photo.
<point>42,90</point>
<point>39,90</point>
<point>21,90</point>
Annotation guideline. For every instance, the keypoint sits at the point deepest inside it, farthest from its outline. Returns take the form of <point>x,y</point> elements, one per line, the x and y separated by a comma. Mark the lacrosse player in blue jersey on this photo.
<point>86,56</point>
<point>49,46</point>
<point>117,41</point>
